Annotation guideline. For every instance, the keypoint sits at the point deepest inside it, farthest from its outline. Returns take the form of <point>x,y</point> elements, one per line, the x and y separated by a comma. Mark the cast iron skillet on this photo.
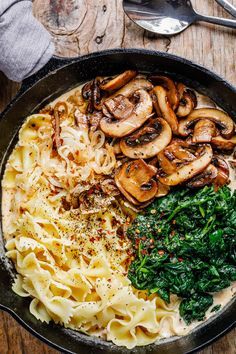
<point>57,77</point>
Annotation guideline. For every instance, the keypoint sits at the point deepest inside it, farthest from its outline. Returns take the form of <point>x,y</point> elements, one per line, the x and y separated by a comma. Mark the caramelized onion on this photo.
<point>60,112</point>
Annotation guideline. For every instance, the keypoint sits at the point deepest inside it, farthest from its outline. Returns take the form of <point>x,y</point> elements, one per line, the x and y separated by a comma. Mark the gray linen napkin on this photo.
<point>25,45</point>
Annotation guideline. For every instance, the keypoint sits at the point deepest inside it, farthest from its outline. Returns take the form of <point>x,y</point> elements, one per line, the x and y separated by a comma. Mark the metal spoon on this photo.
<point>228,7</point>
<point>168,17</point>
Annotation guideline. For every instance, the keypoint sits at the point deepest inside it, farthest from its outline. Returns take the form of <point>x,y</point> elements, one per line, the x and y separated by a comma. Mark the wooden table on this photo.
<point>83,26</point>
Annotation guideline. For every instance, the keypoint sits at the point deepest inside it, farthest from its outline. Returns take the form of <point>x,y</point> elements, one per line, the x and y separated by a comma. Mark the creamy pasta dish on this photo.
<point>119,209</point>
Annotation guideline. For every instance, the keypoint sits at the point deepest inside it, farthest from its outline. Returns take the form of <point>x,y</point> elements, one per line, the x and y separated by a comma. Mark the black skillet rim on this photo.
<point>58,63</point>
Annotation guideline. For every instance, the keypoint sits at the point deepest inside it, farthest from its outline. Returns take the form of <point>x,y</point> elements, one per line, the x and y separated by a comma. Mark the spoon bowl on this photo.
<point>167,17</point>
<point>158,16</point>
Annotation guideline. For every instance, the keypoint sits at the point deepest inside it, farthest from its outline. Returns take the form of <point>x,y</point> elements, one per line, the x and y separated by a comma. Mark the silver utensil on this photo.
<point>168,17</point>
<point>228,7</point>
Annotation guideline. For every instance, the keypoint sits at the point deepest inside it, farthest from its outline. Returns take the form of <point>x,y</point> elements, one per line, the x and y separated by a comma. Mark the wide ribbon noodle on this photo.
<point>73,264</point>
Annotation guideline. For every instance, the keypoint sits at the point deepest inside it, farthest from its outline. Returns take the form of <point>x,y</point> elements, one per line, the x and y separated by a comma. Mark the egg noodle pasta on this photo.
<point>72,280</point>
<point>64,224</point>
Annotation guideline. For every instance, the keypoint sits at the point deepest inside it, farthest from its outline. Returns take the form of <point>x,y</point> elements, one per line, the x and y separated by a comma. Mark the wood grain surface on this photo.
<point>82,26</point>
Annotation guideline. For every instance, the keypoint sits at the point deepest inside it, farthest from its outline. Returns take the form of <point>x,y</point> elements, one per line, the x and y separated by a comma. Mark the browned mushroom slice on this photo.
<point>162,190</point>
<point>155,104</point>
<point>181,150</point>
<point>119,106</point>
<point>135,178</point>
<point>87,90</point>
<point>97,94</point>
<point>220,118</point>
<point>180,89</point>
<point>232,163</point>
<point>147,141</point>
<point>224,144</point>
<point>126,126</point>
<point>177,153</point>
<point>169,85</point>
<point>223,172</point>
<point>187,103</point>
<point>134,85</point>
<point>119,81</point>
<point>167,112</point>
<point>91,92</point>
<point>205,178</point>
<point>188,171</point>
<point>165,164</point>
<point>204,131</point>
<point>117,149</point>
<point>128,196</point>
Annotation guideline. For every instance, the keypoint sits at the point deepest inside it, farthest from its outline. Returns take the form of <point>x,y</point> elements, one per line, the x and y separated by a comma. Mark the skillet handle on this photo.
<point>54,63</point>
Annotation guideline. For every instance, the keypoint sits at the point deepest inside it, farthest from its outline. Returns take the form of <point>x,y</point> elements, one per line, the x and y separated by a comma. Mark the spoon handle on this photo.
<point>227,6</point>
<point>216,20</point>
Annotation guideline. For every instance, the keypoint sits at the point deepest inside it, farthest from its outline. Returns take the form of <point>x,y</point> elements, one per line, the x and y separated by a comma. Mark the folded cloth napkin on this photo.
<point>25,45</point>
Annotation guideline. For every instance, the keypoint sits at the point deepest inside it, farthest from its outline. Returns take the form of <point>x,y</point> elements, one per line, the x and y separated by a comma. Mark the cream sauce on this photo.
<point>220,298</point>
<point>224,296</point>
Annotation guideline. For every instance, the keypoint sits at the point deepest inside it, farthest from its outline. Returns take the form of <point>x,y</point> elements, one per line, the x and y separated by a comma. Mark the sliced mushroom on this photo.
<point>187,103</point>
<point>165,164</point>
<point>118,81</point>
<point>169,85</point>
<point>134,179</point>
<point>91,92</point>
<point>134,85</point>
<point>180,89</point>
<point>126,194</point>
<point>220,118</point>
<point>177,153</point>
<point>167,112</point>
<point>156,104</point>
<point>223,144</point>
<point>139,116</point>
<point>205,178</point>
<point>181,150</point>
<point>117,149</point>
<point>87,90</point>
<point>119,107</point>
<point>223,172</point>
<point>232,163</point>
<point>162,190</point>
<point>148,141</point>
<point>188,171</point>
<point>204,131</point>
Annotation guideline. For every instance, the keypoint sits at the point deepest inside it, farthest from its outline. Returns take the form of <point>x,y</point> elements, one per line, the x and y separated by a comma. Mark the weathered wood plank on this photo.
<point>80,27</point>
<point>83,26</point>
